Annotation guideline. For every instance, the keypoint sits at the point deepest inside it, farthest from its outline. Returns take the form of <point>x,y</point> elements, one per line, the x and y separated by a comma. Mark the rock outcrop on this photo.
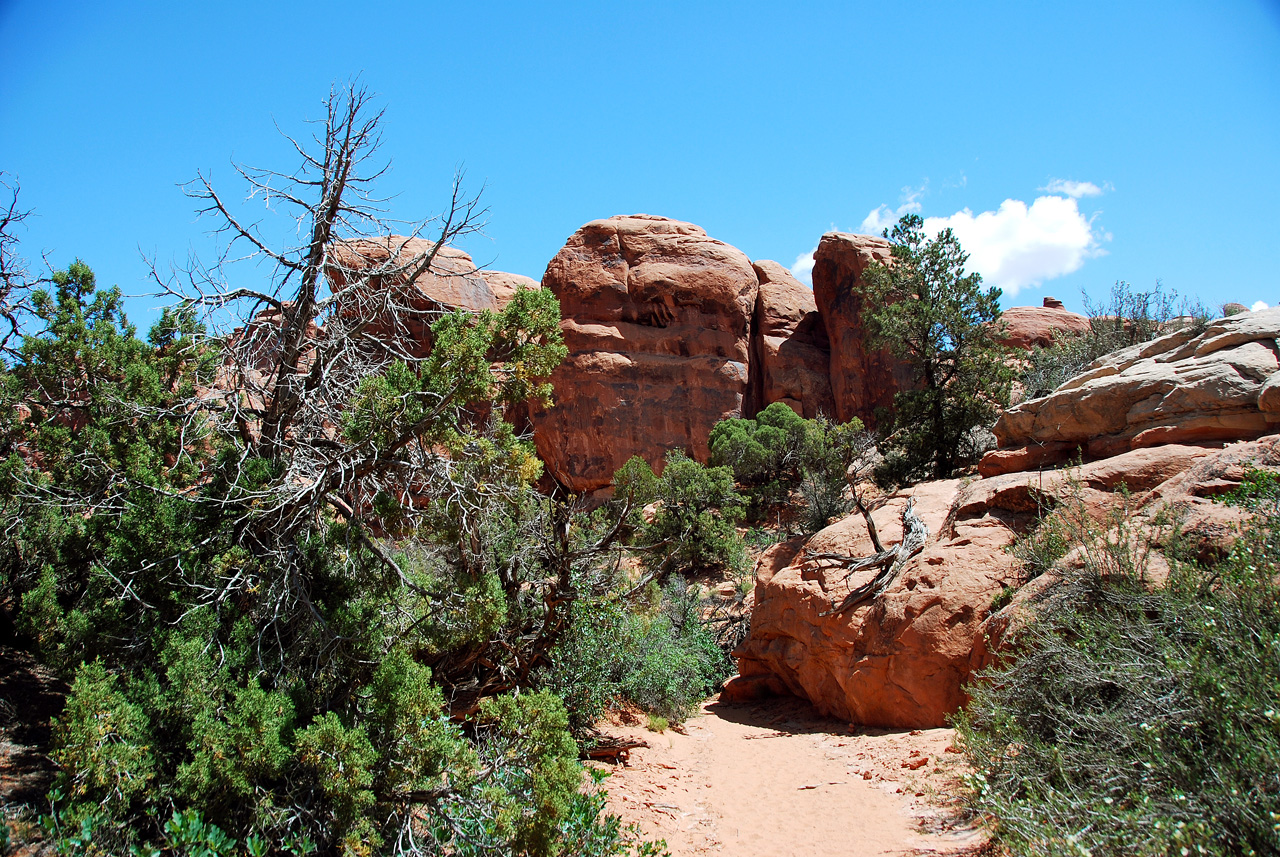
<point>403,311</point>
<point>1029,326</point>
<point>791,354</point>
<point>1204,529</point>
<point>862,378</point>
<point>902,660</point>
<point>504,285</point>
<point>656,316</point>
<point>1186,387</point>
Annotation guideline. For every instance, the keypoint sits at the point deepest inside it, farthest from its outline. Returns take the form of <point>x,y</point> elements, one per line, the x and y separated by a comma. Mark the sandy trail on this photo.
<point>776,779</point>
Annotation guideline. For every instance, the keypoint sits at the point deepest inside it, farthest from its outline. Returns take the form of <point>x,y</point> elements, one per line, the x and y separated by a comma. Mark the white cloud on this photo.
<point>885,217</point>
<point>1018,245</point>
<point>802,270</point>
<point>1257,305</point>
<point>1073,189</point>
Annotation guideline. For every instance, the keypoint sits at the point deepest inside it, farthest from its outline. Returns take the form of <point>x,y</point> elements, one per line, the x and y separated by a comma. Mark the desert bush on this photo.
<point>766,454</point>
<point>1127,317</point>
<point>1108,539</point>
<point>823,499</point>
<point>665,662</point>
<point>275,695</point>
<point>1134,720</point>
<point>693,529</point>
<point>781,460</point>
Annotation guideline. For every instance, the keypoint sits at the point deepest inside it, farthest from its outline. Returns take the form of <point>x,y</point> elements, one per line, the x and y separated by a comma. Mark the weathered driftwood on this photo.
<point>613,750</point>
<point>890,561</point>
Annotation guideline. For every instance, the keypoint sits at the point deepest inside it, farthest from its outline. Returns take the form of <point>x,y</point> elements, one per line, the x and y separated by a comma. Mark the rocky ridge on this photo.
<point>668,330</point>
<point>1162,427</point>
<point>1186,387</point>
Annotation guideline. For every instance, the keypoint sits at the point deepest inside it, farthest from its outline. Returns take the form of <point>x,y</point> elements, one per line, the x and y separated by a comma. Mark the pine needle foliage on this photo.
<point>928,311</point>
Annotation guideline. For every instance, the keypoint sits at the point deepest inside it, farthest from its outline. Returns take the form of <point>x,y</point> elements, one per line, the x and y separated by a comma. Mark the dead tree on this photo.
<point>321,381</point>
<point>16,283</point>
<point>890,561</point>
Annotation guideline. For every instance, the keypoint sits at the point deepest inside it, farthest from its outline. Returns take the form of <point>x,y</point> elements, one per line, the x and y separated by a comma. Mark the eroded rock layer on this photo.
<point>656,316</point>
<point>1187,387</point>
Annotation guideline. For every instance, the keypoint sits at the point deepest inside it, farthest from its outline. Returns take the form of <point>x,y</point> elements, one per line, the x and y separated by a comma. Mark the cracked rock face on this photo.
<point>1218,385</point>
<point>863,379</point>
<point>656,317</point>
<point>791,353</point>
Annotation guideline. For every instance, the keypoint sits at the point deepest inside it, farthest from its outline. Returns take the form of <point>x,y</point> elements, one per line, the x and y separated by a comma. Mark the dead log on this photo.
<point>612,750</point>
<point>890,561</point>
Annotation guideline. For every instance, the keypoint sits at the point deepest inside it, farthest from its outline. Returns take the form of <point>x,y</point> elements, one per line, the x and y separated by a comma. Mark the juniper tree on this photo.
<point>936,317</point>
<point>290,570</point>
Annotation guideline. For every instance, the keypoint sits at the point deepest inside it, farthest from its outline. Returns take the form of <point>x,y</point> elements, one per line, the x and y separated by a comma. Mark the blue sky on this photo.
<point>1070,145</point>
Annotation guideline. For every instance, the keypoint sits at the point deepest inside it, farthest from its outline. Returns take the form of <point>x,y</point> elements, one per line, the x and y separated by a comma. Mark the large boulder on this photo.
<point>1029,326</point>
<point>791,354</point>
<point>656,316</point>
<point>862,378</point>
<point>902,660</point>
<point>1186,387</point>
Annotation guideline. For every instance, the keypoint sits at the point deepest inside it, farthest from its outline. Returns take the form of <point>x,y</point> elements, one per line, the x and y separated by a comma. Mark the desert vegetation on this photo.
<point>312,591</point>
<point>1128,316</point>
<point>297,576</point>
<point>1136,715</point>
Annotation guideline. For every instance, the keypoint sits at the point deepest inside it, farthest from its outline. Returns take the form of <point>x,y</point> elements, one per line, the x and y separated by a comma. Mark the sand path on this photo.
<point>776,779</point>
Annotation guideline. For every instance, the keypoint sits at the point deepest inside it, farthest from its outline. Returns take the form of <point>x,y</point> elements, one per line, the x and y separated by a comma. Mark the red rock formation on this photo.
<point>401,311</point>
<point>1029,326</point>
<point>1184,387</point>
<point>656,316</point>
<point>504,285</point>
<point>791,354</point>
<point>902,660</point>
<point>862,379</point>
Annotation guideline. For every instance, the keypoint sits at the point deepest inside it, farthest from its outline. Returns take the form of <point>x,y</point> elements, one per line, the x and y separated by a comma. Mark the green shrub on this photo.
<point>765,453</point>
<point>666,662</point>
<point>778,453</point>
<point>1136,721</point>
<point>694,529</point>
